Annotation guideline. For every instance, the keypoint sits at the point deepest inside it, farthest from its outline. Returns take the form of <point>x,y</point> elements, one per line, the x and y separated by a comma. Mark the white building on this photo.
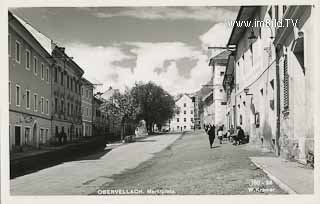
<point>183,120</point>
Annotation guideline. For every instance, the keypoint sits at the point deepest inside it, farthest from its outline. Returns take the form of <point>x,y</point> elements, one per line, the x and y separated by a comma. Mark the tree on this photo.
<point>155,105</point>
<point>122,108</point>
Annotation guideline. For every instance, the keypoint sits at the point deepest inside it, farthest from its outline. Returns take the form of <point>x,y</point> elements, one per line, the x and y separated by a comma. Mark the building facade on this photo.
<point>269,80</point>
<point>296,64</point>
<point>183,120</point>
<point>66,96</point>
<point>254,72</point>
<point>86,107</point>
<point>29,88</point>
<point>218,64</point>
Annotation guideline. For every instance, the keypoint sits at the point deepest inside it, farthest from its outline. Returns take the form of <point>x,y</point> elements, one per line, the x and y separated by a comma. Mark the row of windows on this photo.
<point>185,112</point>
<point>72,84</point>
<point>70,108</point>
<point>44,72</point>
<point>184,119</point>
<point>43,102</point>
<point>86,111</point>
<point>27,138</point>
<point>88,93</point>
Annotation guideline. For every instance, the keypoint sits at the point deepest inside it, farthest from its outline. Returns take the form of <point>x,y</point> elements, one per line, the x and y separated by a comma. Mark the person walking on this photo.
<point>211,133</point>
<point>220,134</point>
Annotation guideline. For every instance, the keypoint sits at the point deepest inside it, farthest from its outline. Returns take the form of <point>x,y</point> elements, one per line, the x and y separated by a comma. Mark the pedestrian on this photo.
<point>211,133</point>
<point>220,134</point>
<point>240,136</point>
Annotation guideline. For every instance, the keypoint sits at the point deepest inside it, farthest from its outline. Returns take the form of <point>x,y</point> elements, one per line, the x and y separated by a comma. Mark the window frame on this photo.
<point>42,70</point>
<point>47,106</point>
<point>35,65</point>
<point>18,86</point>
<point>42,104</point>
<point>17,42</point>
<point>35,102</point>
<point>28,59</point>
<point>28,101</point>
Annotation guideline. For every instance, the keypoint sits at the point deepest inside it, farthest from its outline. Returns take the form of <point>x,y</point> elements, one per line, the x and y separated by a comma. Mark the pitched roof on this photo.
<point>44,41</point>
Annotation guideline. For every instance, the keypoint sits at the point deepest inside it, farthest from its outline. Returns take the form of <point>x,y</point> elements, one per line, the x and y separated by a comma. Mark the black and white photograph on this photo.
<point>107,101</point>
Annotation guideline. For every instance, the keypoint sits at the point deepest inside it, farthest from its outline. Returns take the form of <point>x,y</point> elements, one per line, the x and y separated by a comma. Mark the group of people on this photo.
<point>237,139</point>
<point>211,131</point>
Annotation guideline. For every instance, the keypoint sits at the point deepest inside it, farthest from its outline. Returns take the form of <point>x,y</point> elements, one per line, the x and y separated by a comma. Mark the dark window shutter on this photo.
<point>285,84</point>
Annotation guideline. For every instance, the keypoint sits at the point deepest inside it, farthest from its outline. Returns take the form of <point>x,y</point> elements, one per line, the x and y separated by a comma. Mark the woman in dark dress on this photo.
<point>211,133</point>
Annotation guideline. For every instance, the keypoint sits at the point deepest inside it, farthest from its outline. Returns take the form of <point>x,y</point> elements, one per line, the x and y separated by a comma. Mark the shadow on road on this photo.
<point>146,141</point>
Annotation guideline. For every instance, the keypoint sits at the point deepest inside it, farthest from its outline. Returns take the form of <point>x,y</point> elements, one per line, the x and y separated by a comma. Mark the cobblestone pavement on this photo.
<point>189,166</point>
<point>86,174</point>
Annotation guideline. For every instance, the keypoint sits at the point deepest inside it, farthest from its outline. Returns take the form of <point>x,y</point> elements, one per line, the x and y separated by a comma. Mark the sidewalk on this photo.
<point>86,174</point>
<point>292,177</point>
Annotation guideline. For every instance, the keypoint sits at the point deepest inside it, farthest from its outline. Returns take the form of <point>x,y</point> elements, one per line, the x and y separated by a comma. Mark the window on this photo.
<point>28,99</point>
<point>9,45</point>
<point>47,106</point>
<point>67,81</point>
<point>221,90</point>
<point>87,111</point>
<point>18,52</point>
<point>42,104</point>
<point>184,105</point>
<point>55,105</point>
<point>178,127</point>
<point>62,106</point>
<point>184,112</point>
<point>18,95</point>
<point>42,71</point>
<point>71,82</point>
<point>9,92</point>
<point>27,138</point>
<point>35,100</point>
<point>35,66</point>
<point>184,127</point>
<point>178,112</point>
<point>68,108</point>
<point>47,74</point>
<point>191,111</point>
<point>285,83</point>
<point>191,119</point>
<point>82,91</point>
<point>61,78</point>
<point>28,60</point>
<point>221,73</point>
<point>41,136</point>
<point>261,92</point>
<point>46,135</point>
<point>177,119</point>
<point>55,74</point>
<point>185,119</point>
<point>71,108</point>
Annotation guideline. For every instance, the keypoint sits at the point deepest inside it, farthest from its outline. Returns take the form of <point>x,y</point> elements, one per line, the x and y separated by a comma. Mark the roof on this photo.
<point>24,25</point>
<point>245,14</point>
<point>44,41</point>
<point>86,82</point>
<point>222,56</point>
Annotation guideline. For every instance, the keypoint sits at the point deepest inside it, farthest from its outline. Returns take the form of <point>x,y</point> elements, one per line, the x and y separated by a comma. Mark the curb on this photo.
<point>281,184</point>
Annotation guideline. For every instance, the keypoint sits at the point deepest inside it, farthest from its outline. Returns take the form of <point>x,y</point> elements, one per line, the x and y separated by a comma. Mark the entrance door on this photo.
<point>35,138</point>
<point>17,132</point>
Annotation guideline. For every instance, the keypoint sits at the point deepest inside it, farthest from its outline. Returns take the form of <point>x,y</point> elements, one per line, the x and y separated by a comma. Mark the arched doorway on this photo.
<point>35,135</point>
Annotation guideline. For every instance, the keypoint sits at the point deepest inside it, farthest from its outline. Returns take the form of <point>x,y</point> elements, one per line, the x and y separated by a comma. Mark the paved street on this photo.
<point>86,174</point>
<point>189,166</point>
<point>186,165</point>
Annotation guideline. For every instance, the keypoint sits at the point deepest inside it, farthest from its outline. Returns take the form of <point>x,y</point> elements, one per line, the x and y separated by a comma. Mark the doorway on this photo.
<point>17,132</point>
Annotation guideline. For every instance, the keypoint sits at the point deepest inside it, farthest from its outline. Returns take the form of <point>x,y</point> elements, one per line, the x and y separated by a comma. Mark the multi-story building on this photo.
<point>86,106</point>
<point>270,76</point>
<point>66,95</point>
<point>255,75</point>
<point>98,121</point>
<point>295,60</point>
<point>183,120</point>
<point>29,88</point>
<point>218,64</point>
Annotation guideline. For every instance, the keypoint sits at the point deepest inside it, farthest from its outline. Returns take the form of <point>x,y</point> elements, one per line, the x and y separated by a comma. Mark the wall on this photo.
<point>188,115</point>
<point>27,80</point>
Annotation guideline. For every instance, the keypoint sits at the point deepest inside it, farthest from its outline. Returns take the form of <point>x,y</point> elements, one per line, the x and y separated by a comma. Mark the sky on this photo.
<point>117,46</point>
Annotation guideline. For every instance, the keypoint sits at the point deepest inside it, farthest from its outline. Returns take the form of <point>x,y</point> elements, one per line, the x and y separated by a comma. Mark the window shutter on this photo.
<point>285,84</point>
